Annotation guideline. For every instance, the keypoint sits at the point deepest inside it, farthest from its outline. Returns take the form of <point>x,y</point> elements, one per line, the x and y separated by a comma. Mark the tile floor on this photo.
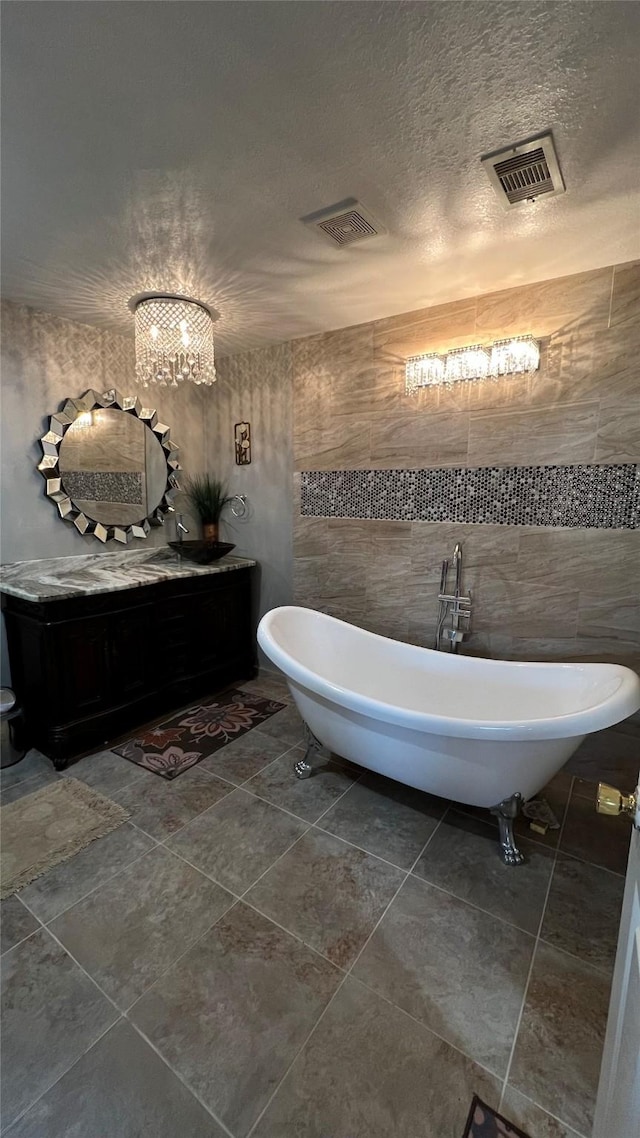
<point>252,955</point>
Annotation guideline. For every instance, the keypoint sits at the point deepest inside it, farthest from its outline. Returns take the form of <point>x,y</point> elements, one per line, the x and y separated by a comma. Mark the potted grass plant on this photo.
<point>207,496</point>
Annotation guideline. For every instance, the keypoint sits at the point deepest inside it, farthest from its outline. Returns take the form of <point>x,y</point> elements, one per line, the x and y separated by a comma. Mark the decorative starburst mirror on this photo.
<point>110,466</point>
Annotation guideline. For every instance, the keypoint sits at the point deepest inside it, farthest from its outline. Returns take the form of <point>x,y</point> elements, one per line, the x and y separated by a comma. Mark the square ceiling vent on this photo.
<point>344,223</point>
<point>525,171</point>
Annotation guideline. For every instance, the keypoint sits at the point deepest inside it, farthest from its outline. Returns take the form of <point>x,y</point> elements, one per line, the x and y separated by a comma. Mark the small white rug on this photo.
<point>42,829</point>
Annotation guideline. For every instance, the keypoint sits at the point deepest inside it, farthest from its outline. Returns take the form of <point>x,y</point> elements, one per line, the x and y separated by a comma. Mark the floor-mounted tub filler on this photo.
<point>482,732</point>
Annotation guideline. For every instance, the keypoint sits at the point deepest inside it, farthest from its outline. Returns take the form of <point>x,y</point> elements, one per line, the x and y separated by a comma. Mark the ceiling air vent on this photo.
<point>525,172</point>
<point>344,223</point>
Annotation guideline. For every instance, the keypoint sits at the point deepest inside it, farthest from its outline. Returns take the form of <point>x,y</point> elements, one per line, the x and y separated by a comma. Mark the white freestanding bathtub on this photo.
<point>483,732</point>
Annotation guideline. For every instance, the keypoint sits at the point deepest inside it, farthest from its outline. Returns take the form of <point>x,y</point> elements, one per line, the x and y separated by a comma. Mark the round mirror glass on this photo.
<point>112,467</point>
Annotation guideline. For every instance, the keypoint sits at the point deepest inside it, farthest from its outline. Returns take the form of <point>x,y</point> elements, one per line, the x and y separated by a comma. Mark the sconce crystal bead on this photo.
<point>174,342</point>
<point>423,371</point>
<point>515,356</point>
<point>466,364</point>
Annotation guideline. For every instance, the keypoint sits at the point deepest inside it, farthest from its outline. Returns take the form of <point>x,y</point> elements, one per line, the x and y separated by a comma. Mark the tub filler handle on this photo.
<point>303,767</point>
<point>506,812</point>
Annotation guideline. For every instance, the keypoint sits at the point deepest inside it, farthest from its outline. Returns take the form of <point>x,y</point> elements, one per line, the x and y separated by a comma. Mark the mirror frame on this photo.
<point>49,466</point>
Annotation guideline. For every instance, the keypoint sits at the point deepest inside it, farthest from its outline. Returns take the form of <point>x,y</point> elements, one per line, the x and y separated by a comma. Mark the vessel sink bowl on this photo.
<point>202,552</point>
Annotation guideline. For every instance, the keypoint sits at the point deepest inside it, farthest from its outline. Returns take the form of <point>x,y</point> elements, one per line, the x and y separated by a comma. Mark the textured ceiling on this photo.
<point>174,146</point>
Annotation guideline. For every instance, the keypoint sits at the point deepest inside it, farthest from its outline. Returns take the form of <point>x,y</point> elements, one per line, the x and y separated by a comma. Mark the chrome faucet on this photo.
<point>180,529</point>
<point>453,607</point>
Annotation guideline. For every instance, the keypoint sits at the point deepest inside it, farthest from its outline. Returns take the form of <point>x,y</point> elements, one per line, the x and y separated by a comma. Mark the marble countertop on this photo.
<point>60,577</point>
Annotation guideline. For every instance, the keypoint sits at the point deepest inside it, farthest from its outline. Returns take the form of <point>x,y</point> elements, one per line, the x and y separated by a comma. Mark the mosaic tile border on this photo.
<point>588,496</point>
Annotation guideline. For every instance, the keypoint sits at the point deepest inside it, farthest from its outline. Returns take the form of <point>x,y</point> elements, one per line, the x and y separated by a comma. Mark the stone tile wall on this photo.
<point>255,387</point>
<point>538,592</point>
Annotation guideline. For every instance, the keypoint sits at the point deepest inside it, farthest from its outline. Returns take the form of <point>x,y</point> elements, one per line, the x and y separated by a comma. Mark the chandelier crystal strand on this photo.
<point>174,342</point>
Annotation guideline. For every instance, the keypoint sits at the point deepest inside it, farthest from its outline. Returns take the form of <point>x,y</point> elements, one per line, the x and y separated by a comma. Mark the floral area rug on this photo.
<point>483,1122</point>
<point>182,741</point>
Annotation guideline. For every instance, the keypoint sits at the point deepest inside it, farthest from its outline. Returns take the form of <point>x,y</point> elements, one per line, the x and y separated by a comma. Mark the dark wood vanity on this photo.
<point>88,668</point>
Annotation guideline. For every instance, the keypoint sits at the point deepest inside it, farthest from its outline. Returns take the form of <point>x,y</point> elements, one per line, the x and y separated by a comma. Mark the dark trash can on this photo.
<point>12,747</point>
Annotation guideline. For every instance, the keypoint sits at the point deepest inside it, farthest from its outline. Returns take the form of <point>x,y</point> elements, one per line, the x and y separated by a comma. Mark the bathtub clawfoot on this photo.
<point>302,768</point>
<point>506,812</point>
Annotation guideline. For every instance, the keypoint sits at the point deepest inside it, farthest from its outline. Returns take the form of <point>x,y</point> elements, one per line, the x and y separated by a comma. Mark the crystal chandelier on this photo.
<point>174,341</point>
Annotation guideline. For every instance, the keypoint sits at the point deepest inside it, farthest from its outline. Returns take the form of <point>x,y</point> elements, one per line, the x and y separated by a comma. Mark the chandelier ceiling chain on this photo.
<point>174,341</point>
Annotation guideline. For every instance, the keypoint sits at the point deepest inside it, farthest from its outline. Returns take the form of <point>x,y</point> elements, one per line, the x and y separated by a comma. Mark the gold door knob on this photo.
<point>612,801</point>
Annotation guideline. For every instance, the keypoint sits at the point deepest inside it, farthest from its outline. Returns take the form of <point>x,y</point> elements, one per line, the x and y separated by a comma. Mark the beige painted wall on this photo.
<point>538,592</point>
<point>256,387</point>
<point>44,361</point>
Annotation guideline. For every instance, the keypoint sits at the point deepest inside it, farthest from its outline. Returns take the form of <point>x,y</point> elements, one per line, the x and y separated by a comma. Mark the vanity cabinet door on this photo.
<point>79,651</point>
<point>134,659</point>
<point>226,629</point>
<point>205,637</point>
<point>175,637</point>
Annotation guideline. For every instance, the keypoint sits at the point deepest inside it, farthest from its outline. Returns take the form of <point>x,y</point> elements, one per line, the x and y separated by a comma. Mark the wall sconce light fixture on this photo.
<point>424,371</point>
<point>174,340</point>
<point>467,363</point>
<point>505,357</point>
<point>512,357</point>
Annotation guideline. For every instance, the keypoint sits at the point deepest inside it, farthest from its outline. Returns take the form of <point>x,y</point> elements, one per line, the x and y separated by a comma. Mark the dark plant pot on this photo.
<point>210,531</point>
